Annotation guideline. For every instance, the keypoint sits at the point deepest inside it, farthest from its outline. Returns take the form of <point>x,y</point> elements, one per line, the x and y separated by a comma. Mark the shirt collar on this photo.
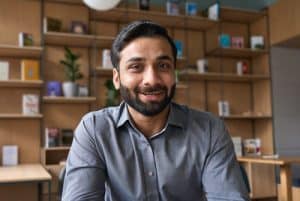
<point>176,115</point>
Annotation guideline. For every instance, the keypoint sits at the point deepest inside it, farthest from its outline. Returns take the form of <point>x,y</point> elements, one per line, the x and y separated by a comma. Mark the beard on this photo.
<point>151,108</point>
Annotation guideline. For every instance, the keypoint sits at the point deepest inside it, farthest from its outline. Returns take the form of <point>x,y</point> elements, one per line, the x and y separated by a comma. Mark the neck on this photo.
<point>149,125</point>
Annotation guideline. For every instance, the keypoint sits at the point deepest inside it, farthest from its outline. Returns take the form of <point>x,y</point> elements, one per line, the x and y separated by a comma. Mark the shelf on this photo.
<point>20,116</point>
<point>240,15</point>
<point>230,77</point>
<point>127,15</point>
<point>61,99</point>
<point>100,71</point>
<point>181,86</point>
<point>246,117</point>
<point>59,148</point>
<point>72,2</point>
<point>236,52</point>
<point>21,83</point>
<point>20,52</point>
<point>77,40</point>
<point>69,39</point>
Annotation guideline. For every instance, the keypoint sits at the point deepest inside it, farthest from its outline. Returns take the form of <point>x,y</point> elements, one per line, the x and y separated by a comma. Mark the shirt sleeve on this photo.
<point>85,169</point>
<point>222,179</point>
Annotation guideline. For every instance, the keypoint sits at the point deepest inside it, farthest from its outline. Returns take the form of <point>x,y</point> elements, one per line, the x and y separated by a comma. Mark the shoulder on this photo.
<point>196,116</point>
<point>101,117</point>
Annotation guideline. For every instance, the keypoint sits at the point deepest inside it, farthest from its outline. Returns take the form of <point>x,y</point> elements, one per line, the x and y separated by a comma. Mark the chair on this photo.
<point>61,178</point>
<point>245,178</point>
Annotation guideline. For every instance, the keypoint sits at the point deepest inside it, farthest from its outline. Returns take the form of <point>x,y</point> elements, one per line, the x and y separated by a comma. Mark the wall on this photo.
<point>286,99</point>
<point>284,21</point>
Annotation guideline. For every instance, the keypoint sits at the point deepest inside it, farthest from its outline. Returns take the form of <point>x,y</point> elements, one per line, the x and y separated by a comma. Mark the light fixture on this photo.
<point>101,5</point>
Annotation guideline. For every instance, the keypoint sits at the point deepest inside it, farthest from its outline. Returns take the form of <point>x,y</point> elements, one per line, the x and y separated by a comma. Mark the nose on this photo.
<point>151,76</point>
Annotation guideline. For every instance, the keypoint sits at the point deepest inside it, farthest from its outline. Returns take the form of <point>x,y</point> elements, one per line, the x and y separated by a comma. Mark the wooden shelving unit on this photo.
<point>236,52</point>
<point>230,77</point>
<point>15,127</point>
<point>56,99</point>
<point>21,83</point>
<point>246,117</point>
<point>240,15</point>
<point>77,40</point>
<point>20,116</point>
<point>20,52</point>
<point>124,15</point>
<point>54,155</point>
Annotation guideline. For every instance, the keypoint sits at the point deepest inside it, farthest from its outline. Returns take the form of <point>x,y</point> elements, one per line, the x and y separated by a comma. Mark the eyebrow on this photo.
<point>135,59</point>
<point>139,59</point>
<point>165,57</point>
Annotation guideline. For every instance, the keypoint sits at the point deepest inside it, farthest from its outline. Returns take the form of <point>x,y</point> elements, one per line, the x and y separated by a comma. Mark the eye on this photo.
<point>164,66</point>
<point>135,67</point>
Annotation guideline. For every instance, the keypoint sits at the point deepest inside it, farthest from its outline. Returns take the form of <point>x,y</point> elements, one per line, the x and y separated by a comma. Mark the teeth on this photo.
<point>152,93</point>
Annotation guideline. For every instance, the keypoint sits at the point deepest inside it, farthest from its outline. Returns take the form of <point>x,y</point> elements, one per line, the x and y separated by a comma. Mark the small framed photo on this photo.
<point>78,27</point>
<point>237,42</point>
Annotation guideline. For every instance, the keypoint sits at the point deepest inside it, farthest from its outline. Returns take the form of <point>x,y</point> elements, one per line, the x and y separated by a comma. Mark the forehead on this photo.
<point>145,46</point>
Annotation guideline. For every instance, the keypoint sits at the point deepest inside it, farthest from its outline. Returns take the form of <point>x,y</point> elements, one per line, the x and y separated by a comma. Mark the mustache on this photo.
<point>150,89</point>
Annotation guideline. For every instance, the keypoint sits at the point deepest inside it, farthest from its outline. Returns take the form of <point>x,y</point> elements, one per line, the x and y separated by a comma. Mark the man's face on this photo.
<point>146,76</point>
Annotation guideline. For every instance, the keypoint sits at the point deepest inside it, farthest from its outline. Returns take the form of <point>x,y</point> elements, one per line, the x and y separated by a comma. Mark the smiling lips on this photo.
<point>152,95</point>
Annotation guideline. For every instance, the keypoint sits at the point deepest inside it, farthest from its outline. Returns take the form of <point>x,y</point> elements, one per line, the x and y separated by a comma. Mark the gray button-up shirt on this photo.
<point>191,159</point>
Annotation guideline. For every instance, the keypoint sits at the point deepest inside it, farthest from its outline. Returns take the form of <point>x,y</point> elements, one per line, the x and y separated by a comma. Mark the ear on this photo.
<point>116,78</point>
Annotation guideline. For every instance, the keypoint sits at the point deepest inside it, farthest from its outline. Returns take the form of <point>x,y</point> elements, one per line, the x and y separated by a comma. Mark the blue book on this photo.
<point>179,47</point>
<point>224,40</point>
<point>191,8</point>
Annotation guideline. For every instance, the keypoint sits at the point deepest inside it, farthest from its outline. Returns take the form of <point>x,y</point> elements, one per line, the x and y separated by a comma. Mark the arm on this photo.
<point>85,168</point>
<point>222,179</point>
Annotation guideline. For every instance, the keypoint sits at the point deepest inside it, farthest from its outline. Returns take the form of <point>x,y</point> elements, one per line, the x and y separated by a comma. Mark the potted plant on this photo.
<point>112,95</point>
<point>72,73</point>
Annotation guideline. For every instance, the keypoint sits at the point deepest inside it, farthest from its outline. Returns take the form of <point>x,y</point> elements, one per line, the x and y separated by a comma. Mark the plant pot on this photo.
<point>70,89</point>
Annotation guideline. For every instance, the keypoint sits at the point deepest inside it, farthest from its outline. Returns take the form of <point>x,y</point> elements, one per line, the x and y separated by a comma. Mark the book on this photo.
<point>191,8</point>
<point>237,42</point>
<point>52,24</point>
<point>9,155</point>
<point>30,104</point>
<point>54,88</point>
<point>67,137</point>
<point>224,40</point>
<point>213,11</point>
<point>179,47</point>
<point>78,27</point>
<point>172,7</point>
<point>143,4</point>
<point>30,69</point>
<point>202,65</point>
<point>223,107</point>
<point>106,60</point>
<point>51,137</point>
<point>257,42</point>
<point>237,143</point>
<point>4,70</point>
<point>25,39</point>
<point>242,68</point>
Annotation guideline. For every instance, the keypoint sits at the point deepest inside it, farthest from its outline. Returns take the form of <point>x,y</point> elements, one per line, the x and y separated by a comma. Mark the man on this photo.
<point>149,148</point>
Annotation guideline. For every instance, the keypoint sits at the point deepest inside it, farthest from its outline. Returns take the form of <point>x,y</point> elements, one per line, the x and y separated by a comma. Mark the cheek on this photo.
<point>129,82</point>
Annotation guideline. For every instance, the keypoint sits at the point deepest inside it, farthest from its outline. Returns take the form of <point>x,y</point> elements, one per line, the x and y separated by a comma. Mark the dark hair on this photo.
<point>137,29</point>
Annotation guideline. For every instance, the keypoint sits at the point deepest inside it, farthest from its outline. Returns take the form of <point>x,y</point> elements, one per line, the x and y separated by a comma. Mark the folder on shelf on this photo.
<point>4,70</point>
<point>30,69</point>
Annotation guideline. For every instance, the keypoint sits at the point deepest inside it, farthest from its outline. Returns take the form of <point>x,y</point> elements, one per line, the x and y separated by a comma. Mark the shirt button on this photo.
<point>150,173</point>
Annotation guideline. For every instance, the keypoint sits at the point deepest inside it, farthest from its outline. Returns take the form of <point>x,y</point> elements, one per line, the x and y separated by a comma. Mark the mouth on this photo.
<point>152,96</point>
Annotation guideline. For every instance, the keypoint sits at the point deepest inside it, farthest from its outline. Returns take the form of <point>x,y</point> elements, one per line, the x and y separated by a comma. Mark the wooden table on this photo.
<point>285,171</point>
<point>25,173</point>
